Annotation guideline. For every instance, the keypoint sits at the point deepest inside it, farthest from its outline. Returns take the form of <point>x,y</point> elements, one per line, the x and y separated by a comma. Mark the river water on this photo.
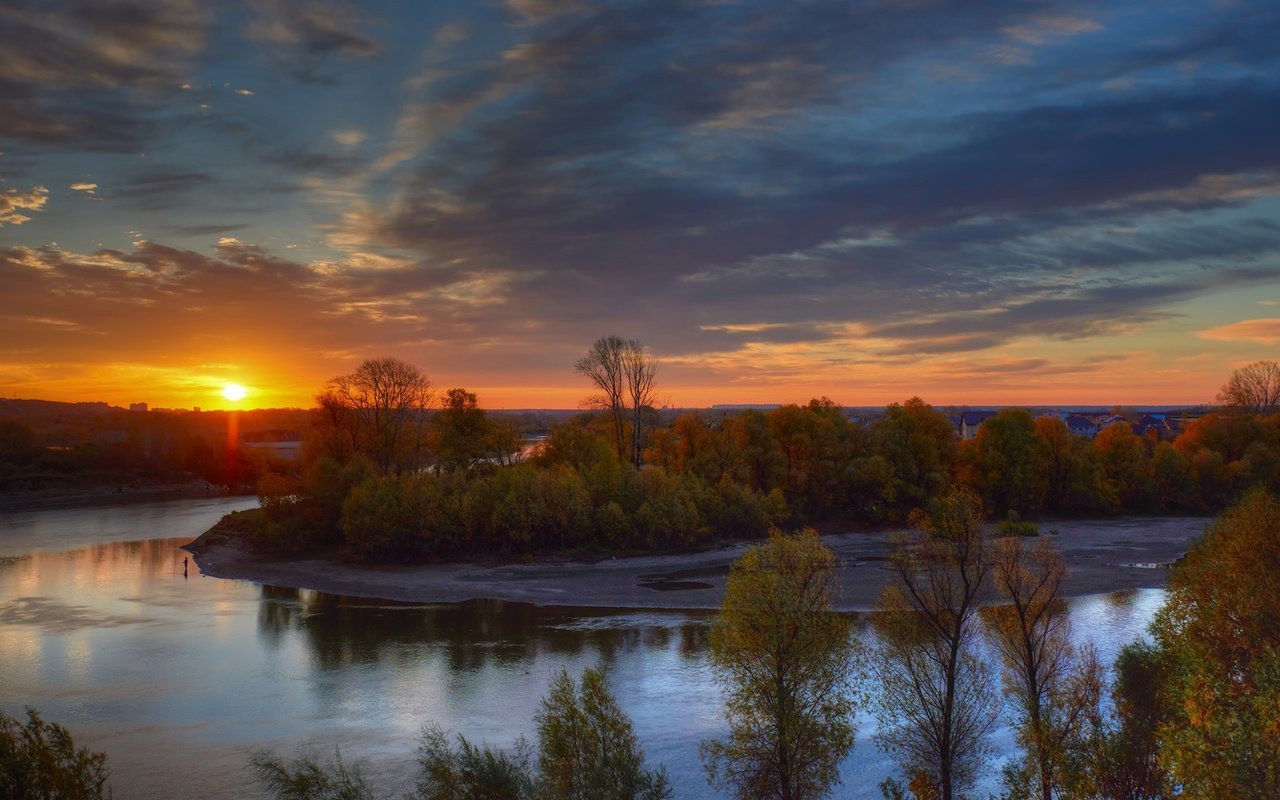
<point>179,678</point>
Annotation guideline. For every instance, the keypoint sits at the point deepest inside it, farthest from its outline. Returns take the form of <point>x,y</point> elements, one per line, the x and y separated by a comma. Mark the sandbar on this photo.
<point>1101,555</point>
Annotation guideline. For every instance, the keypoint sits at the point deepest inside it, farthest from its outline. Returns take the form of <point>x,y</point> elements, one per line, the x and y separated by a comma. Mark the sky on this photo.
<point>979,203</point>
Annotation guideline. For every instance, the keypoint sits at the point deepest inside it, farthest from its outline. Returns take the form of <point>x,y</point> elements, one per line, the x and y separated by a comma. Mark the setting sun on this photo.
<point>233,392</point>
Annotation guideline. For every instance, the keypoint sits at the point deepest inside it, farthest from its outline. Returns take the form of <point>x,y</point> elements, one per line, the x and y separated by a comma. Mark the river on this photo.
<point>179,678</point>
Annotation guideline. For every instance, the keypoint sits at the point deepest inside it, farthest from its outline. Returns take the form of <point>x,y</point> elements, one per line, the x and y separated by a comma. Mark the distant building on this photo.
<point>1156,423</point>
<point>1081,426</point>
<point>137,406</point>
<point>970,422</point>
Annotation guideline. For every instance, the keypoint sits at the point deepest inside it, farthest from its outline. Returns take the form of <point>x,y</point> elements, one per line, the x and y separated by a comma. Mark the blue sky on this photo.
<point>997,202</point>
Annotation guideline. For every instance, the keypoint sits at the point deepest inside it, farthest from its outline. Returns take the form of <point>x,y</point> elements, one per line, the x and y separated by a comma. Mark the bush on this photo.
<point>40,761</point>
<point>1011,525</point>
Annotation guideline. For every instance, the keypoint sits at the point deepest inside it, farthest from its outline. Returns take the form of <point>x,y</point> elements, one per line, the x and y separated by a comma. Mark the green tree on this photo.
<point>587,749</point>
<point>1010,462</point>
<point>463,433</point>
<point>40,761</point>
<point>919,445</point>
<point>467,772</point>
<point>308,778</point>
<point>784,658</point>
<point>1220,630</point>
<point>1116,757</point>
<point>938,701</point>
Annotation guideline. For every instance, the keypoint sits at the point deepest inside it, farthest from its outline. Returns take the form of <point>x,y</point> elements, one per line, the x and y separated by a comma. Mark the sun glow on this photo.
<point>233,392</point>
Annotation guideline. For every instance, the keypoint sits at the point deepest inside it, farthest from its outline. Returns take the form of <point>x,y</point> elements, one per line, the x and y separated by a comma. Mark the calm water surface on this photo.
<point>178,679</point>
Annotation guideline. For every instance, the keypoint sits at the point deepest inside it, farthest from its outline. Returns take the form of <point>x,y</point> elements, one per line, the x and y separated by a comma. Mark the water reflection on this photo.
<point>177,678</point>
<point>344,631</point>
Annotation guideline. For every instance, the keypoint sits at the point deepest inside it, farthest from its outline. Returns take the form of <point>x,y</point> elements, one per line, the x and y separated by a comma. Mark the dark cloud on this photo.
<point>159,188</point>
<point>205,230</point>
<point>941,177</point>
<point>90,75</point>
<point>305,37</point>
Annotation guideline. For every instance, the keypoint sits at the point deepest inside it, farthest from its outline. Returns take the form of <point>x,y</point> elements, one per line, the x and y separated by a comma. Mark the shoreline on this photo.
<point>109,495</point>
<point>1102,556</point>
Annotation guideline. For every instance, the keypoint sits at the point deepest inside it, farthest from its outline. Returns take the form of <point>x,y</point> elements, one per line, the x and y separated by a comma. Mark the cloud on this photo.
<point>13,202</point>
<point>84,186</point>
<point>91,75</point>
<point>348,138</point>
<point>1047,27</point>
<point>1262,331</point>
<point>161,187</point>
<point>305,36</point>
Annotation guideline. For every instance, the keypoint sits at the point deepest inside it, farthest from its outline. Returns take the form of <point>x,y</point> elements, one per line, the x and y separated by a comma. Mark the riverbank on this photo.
<point>107,494</point>
<point>1101,556</point>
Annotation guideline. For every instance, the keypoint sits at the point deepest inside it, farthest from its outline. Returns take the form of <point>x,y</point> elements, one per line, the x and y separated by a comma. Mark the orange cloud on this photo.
<point>1264,331</point>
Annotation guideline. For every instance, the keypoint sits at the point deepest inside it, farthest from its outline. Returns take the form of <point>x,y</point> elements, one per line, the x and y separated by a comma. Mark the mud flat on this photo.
<point>1101,555</point>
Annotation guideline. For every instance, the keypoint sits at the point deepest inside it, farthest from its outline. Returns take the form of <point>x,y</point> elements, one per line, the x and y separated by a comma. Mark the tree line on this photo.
<point>387,473</point>
<point>970,624</point>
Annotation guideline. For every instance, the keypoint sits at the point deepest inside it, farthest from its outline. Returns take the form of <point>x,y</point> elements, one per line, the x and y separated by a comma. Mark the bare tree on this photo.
<point>639,372</point>
<point>1046,682</point>
<point>381,408</point>
<point>625,376</point>
<point>938,701</point>
<point>603,366</point>
<point>1255,388</point>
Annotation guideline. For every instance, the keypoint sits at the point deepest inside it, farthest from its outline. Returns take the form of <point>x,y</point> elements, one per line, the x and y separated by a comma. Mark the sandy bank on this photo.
<point>1101,555</point>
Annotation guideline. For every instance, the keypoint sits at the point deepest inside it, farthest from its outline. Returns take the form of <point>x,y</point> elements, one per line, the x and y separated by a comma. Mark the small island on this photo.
<point>624,505</point>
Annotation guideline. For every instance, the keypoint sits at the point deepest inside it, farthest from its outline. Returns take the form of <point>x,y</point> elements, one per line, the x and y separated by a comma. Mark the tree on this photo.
<point>40,761</point>
<point>785,660</point>
<point>1049,687</point>
<point>1011,462</point>
<point>938,702</point>
<point>380,408</point>
<point>463,432</point>
<point>1116,756</point>
<point>603,365</point>
<point>308,778</point>
<point>625,376</point>
<point>468,772</point>
<point>1254,388</point>
<point>639,371</point>
<point>919,444</point>
<point>587,749</point>
<point>1220,631</point>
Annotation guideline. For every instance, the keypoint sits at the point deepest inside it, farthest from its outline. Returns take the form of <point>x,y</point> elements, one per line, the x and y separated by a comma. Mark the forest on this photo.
<point>381,477</point>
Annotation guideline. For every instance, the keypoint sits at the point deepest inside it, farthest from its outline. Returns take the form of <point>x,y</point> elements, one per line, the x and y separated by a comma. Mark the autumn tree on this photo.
<point>1254,388</point>
<point>785,658</point>
<point>938,701</point>
<point>1050,688</point>
<point>1220,630</point>
<point>379,410</point>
